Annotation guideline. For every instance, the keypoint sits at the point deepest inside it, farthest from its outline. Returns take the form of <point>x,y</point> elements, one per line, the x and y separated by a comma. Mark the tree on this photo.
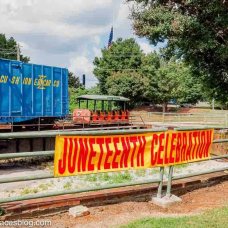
<point>76,92</point>
<point>73,80</point>
<point>173,81</point>
<point>191,89</point>
<point>165,84</point>
<point>122,56</point>
<point>128,84</point>
<point>141,77</point>
<point>195,30</point>
<point>8,49</point>
<point>150,65</point>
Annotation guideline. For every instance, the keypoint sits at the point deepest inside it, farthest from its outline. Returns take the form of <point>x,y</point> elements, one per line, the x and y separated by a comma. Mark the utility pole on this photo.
<point>18,52</point>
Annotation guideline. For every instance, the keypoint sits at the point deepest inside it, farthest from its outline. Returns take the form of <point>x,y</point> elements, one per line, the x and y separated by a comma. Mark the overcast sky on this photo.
<point>66,33</point>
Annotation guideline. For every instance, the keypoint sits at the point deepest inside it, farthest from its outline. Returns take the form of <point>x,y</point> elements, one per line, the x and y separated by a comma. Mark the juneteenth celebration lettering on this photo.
<point>91,154</point>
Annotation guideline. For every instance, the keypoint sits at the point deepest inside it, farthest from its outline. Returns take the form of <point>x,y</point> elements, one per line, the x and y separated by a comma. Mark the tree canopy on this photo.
<point>195,30</point>
<point>8,49</point>
<point>142,77</point>
<point>122,56</point>
<point>73,80</point>
<point>173,81</point>
<point>128,84</point>
<point>76,92</point>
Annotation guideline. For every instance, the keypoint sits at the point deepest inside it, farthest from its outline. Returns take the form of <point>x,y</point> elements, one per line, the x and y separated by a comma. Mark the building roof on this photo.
<point>102,98</point>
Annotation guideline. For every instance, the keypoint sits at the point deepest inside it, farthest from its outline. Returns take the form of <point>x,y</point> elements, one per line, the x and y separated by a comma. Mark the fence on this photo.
<point>160,180</point>
<point>204,119</point>
<point>136,118</point>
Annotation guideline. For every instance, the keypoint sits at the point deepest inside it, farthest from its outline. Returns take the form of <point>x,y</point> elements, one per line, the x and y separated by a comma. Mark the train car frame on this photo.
<point>101,110</point>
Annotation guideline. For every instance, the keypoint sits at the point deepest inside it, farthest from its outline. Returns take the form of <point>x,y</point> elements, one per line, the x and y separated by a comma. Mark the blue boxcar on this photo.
<point>29,91</point>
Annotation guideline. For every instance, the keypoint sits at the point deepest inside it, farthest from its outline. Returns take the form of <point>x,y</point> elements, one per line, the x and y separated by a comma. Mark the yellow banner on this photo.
<point>91,154</point>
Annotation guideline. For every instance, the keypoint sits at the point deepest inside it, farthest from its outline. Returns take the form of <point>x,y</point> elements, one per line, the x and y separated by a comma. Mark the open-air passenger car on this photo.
<point>101,110</point>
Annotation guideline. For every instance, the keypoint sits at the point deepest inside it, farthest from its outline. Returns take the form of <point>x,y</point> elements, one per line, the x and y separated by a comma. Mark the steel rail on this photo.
<point>220,141</point>
<point>51,153</point>
<point>26,154</point>
<point>158,180</point>
<point>25,178</point>
<point>45,134</point>
<point>183,176</point>
<point>47,176</point>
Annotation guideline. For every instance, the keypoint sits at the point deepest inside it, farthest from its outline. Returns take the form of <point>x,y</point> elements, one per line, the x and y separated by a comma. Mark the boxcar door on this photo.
<point>16,89</point>
<point>4,89</point>
<point>27,88</point>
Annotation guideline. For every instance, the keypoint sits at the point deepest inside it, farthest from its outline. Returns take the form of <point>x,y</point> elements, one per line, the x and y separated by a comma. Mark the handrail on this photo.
<point>47,176</point>
<point>26,154</point>
<point>178,177</point>
<point>51,153</point>
<point>38,134</point>
<point>220,141</point>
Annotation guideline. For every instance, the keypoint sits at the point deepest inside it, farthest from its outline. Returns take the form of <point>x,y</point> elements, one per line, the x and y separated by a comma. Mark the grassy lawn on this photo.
<point>214,218</point>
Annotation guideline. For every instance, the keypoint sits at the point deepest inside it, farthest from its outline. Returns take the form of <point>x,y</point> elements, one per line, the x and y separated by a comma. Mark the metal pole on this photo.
<point>199,173</point>
<point>159,194</point>
<point>169,184</point>
<point>26,154</point>
<point>53,133</point>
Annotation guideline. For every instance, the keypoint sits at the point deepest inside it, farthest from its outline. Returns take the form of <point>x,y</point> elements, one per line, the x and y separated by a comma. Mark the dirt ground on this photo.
<point>192,203</point>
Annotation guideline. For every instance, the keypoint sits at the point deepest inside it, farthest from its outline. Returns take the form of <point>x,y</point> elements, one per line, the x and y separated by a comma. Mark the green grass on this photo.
<point>181,166</point>
<point>40,188</point>
<point>91,177</point>
<point>104,176</point>
<point>140,172</point>
<point>67,185</point>
<point>118,178</point>
<point>111,178</point>
<point>45,186</point>
<point>27,191</point>
<point>214,218</point>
